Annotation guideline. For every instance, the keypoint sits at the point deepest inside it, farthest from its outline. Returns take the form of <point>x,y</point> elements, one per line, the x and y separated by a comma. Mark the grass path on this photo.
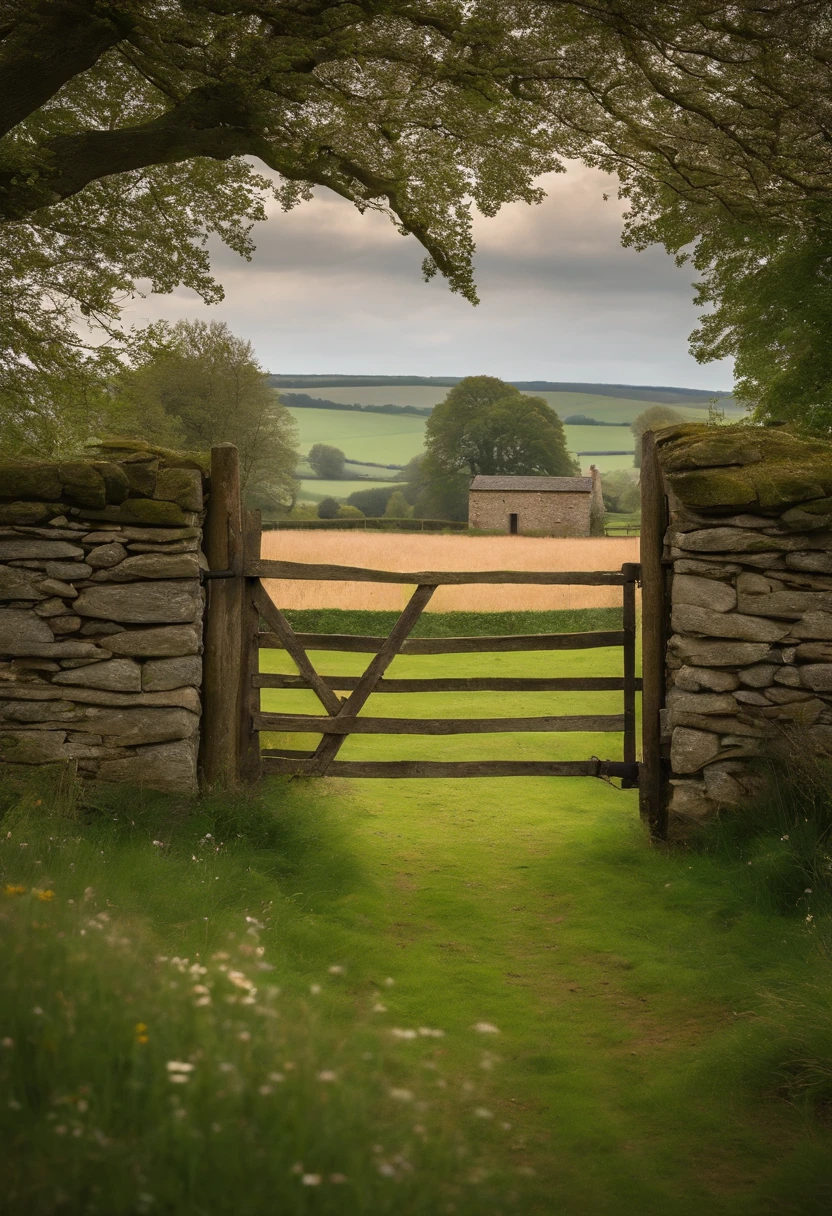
<point>632,989</point>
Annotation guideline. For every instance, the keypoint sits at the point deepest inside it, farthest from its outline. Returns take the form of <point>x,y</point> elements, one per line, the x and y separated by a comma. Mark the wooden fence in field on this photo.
<point>239,607</point>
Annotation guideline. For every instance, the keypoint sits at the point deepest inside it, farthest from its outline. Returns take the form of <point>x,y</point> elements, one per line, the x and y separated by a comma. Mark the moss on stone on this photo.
<point>714,488</point>
<point>766,468</point>
<point>182,486</point>
<point>144,511</point>
<point>29,479</point>
<point>116,484</point>
<point>82,484</point>
<point>28,513</point>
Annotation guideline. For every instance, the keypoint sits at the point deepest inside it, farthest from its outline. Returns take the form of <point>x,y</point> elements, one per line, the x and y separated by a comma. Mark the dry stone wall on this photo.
<point>749,657</point>
<point>101,611</point>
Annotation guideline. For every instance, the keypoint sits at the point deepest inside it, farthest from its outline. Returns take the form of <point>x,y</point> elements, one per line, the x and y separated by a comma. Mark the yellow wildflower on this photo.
<point>141,1033</point>
<point>43,896</point>
<point>13,889</point>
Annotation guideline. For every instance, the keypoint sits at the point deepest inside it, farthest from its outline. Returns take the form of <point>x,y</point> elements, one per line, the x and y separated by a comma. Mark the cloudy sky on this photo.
<point>332,291</point>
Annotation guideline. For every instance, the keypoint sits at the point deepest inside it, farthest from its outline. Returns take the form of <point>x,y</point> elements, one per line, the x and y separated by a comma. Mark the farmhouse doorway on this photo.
<point>242,619</point>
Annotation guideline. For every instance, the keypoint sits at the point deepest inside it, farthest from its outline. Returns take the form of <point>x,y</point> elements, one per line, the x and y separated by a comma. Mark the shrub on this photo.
<point>328,508</point>
<point>373,503</point>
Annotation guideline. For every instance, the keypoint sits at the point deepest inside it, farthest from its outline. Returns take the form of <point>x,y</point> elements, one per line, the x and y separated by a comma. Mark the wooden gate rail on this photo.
<point>343,725</point>
<point>461,683</point>
<point>305,571</point>
<point>279,762</point>
<point>473,645</point>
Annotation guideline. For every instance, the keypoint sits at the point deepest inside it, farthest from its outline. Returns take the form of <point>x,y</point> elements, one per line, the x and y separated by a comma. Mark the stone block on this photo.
<point>117,675</point>
<point>703,592</point>
<point>155,643</point>
<point>700,679</point>
<point>750,696</point>
<point>814,652</point>
<point>102,629</point>
<point>144,511</point>
<point>689,807</point>
<point>151,566</point>
<point>173,546</point>
<point>32,747</point>
<point>160,536</point>
<point>35,479</point>
<point>182,486</point>
<point>753,584</point>
<point>35,665</point>
<point>813,625</point>
<point>786,696</point>
<point>170,768</point>
<point>785,605</point>
<point>102,557</point>
<point>65,624</point>
<point>82,484</point>
<point>759,675</point>
<point>758,728</point>
<point>68,570</point>
<point>691,749</point>
<point>134,727</point>
<point>725,540</point>
<point>18,584</point>
<point>55,586</point>
<point>702,652</point>
<point>687,618</point>
<point>162,674</point>
<point>709,569</point>
<point>19,627</point>
<point>50,607</point>
<point>141,474</point>
<point>818,561</point>
<point>722,786</point>
<point>788,676</point>
<point>38,711</point>
<point>51,649</point>
<point>26,512</point>
<point>701,702</point>
<point>817,676</point>
<point>36,547</point>
<point>116,483</point>
<point>169,602</point>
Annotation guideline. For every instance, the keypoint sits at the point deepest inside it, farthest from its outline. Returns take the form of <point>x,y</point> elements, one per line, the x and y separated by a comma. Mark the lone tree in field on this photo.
<point>652,419</point>
<point>487,426</point>
<point>195,384</point>
<point>326,461</point>
<point>328,508</point>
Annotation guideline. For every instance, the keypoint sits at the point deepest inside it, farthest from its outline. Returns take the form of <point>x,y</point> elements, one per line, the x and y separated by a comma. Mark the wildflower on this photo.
<point>254,923</point>
<point>37,1011</point>
<point>14,889</point>
<point>326,1074</point>
<point>386,1170</point>
<point>336,1178</point>
<point>311,1180</point>
<point>784,837</point>
<point>244,1036</point>
<point>379,1008</point>
<point>89,894</point>
<point>809,919</point>
<point>265,1090</point>
<point>60,1130</point>
<point>315,989</point>
<point>225,1067</point>
<point>807,891</point>
<point>7,1042</point>
<point>427,1033</point>
<point>181,1066</point>
<point>297,1168</point>
<point>140,1030</point>
<point>402,1034</point>
<point>401,1095</point>
<point>277,1077</point>
<point>179,1078</point>
<point>202,1001</point>
<point>43,895</point>
<point>336,970</point>
<point>13,1104</point>
<point>200,989</point>
<point>482,1113</point>
<point>485,1028</point>
<point>388,983</point>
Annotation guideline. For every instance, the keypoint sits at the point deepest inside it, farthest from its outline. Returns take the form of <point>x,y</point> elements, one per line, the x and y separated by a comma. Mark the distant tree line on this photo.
<point>300,401</point>
<point>583,420</point>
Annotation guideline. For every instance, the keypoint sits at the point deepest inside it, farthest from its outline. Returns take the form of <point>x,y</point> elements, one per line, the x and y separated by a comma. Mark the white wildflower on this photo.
<point>485,1028</point>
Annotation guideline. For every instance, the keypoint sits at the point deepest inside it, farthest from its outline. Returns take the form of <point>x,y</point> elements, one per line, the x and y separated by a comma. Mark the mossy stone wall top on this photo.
<point>722,470</point>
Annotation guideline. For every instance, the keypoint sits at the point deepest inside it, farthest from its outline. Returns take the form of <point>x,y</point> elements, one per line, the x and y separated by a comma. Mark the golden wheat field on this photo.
<point>404,551</point>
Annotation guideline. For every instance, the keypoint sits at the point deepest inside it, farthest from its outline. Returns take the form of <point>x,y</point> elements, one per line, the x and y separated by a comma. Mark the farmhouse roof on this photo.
<point>545,485</point>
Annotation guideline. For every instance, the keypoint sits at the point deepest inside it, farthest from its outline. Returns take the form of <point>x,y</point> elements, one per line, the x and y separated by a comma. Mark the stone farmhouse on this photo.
<point>552,506</point>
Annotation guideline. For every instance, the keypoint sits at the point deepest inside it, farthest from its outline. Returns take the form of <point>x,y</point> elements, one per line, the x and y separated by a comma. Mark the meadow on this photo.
<point>417,997</point>
<point>385,551</point>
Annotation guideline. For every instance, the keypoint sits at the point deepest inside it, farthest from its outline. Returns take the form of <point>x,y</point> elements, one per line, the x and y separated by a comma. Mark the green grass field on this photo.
<point>471,997</point>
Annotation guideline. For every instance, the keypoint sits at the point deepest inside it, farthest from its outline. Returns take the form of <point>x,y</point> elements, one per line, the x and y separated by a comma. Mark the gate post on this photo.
<point>653,636</point>
<point>220,759</point>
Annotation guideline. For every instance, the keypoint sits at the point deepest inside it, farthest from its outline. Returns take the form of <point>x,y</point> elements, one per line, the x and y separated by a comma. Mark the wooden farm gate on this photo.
<point>238,603</point>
